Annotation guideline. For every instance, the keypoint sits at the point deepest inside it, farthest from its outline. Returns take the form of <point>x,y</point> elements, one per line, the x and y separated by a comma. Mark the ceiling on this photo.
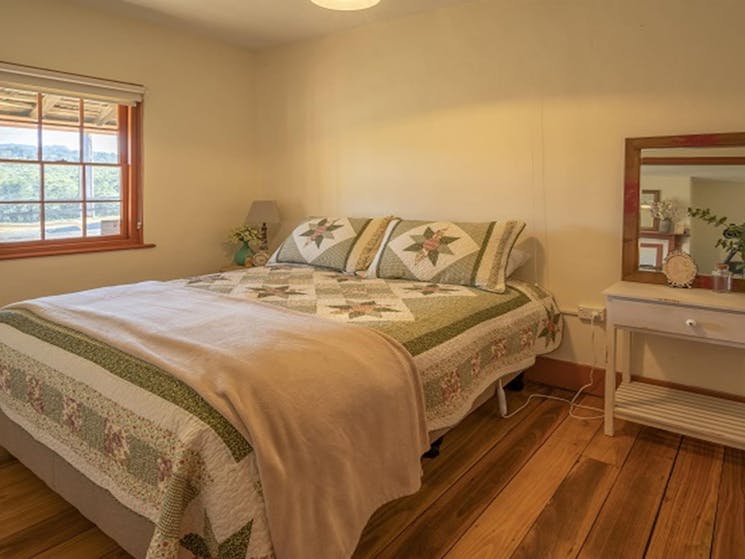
<point>260,23</point>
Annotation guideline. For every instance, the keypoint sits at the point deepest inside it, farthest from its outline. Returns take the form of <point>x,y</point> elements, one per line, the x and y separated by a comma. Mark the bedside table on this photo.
<point>689,314</point>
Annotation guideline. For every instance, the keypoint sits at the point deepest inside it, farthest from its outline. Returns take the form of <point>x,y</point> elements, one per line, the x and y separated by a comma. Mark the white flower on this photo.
<point>664,209</point>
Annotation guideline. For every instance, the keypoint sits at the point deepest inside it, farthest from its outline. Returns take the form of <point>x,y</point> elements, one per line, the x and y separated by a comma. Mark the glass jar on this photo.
<point>721,279</point>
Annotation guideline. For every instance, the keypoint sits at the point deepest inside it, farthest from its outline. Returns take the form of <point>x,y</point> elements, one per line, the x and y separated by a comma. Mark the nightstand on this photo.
<point>689,314</point>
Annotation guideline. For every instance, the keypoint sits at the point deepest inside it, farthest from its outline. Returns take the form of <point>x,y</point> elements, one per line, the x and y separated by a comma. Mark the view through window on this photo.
<point>62,165</point>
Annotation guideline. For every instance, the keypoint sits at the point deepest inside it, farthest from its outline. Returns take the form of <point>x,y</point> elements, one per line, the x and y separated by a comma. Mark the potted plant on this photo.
<point>665,211</point>
<point>732,239</point>
<point>246,235</point>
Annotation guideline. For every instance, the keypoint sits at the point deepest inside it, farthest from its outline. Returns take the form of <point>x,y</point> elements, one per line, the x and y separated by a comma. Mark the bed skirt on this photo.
<point>130,530</point>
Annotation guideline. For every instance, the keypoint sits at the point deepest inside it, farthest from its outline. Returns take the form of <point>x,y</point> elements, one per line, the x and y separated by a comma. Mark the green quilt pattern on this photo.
<point>156,463</point>
<point>461,337</point>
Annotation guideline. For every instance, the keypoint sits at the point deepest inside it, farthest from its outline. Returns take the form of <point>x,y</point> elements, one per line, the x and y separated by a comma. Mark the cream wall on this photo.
<point>198,137</point>
<point>494,109</point>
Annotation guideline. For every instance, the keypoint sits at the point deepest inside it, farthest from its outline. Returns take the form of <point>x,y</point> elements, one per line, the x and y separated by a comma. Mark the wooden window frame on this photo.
<point>131,228</point>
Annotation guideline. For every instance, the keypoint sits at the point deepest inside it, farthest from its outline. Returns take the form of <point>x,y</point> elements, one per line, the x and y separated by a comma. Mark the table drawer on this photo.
<point>713,325</point>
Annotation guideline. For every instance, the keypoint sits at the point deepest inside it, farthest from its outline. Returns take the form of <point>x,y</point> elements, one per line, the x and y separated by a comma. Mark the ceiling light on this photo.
<point>346,5</point>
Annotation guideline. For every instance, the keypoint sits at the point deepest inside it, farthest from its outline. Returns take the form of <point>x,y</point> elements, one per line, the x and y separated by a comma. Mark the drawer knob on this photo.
<point>690,322</point>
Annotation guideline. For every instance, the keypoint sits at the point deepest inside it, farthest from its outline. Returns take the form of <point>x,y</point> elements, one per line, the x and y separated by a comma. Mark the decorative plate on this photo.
<point>680,269</point>
<point>260,258</point>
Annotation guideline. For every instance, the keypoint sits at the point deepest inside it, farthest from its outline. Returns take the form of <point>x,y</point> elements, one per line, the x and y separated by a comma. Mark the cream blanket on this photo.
<point>334,412</point>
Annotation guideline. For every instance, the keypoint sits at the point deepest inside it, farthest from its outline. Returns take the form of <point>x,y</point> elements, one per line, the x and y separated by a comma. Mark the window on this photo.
<point>69,165</point>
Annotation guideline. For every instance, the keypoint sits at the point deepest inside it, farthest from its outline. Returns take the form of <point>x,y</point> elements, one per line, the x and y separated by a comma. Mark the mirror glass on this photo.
<point>708,180</point>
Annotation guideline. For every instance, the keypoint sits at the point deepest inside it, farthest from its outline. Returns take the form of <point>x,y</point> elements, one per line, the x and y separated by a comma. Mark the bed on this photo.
<point>74,411</point>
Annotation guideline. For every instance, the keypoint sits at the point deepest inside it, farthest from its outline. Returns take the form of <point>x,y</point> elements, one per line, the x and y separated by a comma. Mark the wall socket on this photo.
<point>587,312</point>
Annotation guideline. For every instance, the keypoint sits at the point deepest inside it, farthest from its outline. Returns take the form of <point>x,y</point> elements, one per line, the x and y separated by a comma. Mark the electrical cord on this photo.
<point>573,402</point>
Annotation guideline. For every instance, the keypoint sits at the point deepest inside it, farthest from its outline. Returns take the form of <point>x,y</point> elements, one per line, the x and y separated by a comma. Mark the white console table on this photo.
<point>690,314</point>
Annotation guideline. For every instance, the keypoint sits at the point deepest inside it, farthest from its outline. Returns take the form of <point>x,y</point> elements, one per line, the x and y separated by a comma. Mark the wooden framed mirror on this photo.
<point>664,177</point>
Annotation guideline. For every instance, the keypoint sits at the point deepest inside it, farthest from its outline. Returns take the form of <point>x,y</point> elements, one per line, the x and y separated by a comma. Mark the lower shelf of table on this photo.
<point>703,417</point>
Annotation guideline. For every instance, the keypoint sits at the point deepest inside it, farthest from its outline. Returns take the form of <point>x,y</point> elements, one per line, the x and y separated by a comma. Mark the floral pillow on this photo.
<point>346,244</point>
<point>474,254</point>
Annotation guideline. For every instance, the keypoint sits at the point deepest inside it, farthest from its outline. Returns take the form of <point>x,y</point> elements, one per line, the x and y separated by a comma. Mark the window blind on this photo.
<point>48,81</point>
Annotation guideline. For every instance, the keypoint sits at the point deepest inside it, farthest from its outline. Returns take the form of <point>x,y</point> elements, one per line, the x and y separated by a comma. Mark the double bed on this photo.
<point>108,411</point>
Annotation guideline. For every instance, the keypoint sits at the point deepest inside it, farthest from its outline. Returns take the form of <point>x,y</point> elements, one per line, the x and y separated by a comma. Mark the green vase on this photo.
<point>243,254</point>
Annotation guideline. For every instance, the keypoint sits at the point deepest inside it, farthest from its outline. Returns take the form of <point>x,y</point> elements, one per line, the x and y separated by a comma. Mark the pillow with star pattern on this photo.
<point>346,244</point>
<point>474,254</point>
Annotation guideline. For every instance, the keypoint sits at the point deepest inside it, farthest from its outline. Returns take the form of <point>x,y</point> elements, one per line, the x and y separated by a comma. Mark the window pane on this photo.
<point>20,181</point>
<point>19,222</point>
<point>18,105</point>
<point>58,109</point>
<point>98,114</point>
<point>105,183</point>
<point>101,148</point>
<point>60,145</point>
<point>63,220</point>
<point>62,182</point>
<point>103,218</point>
<point>18,142</point>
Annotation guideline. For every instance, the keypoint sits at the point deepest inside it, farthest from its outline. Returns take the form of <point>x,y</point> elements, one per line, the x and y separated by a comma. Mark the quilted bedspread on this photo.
<point>461,338</point>
<point>158,447</point>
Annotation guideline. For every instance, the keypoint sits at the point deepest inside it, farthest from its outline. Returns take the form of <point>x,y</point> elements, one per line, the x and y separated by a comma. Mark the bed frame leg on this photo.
<point>516,384</point>
<point>501,399</point>
<point>434,449</point>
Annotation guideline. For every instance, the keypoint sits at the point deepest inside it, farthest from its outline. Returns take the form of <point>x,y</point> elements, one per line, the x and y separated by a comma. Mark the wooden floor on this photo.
<point>538,485</point>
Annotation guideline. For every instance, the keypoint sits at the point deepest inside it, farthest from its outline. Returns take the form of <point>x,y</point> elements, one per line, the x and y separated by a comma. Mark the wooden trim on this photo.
<point>60,163</point>
<point>731,160</point>
<point>632,174</point>
<point>83,171</point>
<point>135,173</point>
<point>78,248</point>
<point>571,376</point>
<point>565,374</point>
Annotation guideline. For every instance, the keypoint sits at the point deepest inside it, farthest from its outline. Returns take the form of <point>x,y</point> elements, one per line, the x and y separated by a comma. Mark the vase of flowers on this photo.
<point>665,211</point>
<point>246,236</point>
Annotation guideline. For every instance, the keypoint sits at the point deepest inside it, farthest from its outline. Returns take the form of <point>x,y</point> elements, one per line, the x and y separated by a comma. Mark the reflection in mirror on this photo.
<point>672,181</point>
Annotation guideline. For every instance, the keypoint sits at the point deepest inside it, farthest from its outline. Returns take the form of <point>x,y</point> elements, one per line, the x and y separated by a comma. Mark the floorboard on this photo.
<point>627,517</point>
<point>729,530</point>
<point>91,544</point>
<point>434,532</point>
<point>538,485</point>
<point>498,530</point>
<point>685,524</point>
<point>476,435</point>
<point>43,535</point>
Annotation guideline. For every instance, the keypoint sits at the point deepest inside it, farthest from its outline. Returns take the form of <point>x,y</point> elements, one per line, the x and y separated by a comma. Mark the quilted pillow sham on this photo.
<point>346,244</point>
<point>474,254</point>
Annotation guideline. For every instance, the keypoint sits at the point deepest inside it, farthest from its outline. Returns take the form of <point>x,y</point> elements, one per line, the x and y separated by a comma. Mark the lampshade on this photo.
<point>346,5</point>
<point>263,211</point>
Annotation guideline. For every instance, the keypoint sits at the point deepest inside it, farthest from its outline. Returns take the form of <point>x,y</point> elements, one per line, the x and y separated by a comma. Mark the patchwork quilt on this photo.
<point>461,338</point>
<point>160,449</point>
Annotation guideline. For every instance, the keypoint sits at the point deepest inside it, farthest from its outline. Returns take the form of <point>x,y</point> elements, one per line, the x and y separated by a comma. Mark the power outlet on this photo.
<point>590,313</point>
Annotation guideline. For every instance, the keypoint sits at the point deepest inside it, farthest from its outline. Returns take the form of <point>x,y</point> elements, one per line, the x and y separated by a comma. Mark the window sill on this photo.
<point>62,249</point>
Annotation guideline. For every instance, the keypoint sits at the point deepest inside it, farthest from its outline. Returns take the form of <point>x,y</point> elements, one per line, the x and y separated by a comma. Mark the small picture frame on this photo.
<point>647,222</point>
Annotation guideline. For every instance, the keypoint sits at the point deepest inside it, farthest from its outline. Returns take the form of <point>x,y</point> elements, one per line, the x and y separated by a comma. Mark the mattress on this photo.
<point>461,340</point>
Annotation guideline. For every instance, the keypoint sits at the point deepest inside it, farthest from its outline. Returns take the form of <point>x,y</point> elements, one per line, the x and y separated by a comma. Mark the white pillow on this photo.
<point>518,258</point>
